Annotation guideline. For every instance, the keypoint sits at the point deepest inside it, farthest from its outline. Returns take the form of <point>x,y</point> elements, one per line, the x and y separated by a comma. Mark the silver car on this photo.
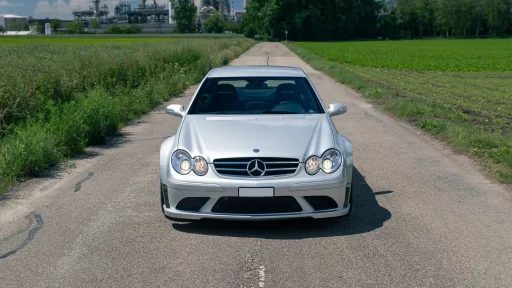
<point>256,143</point>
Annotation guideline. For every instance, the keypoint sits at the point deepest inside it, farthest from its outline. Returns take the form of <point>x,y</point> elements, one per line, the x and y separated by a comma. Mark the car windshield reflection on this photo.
<point>256,95</point>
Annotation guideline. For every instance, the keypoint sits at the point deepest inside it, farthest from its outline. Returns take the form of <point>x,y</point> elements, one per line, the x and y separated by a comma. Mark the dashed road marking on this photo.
<point>261,273</point>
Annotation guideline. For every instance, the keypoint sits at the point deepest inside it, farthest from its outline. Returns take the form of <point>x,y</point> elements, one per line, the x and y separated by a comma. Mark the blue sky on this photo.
<point>63,8</point>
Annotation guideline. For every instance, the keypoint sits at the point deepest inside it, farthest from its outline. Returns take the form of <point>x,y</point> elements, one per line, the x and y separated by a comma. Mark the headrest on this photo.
<point>286,87</point>
<point>225,88</point>
<point>287,92</point>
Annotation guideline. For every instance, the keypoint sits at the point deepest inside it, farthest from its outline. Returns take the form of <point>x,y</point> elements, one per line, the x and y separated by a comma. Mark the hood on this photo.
<point>289,136</point>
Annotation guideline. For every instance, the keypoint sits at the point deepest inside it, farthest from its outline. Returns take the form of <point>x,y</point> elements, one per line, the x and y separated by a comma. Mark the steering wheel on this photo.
<point>289,106</point>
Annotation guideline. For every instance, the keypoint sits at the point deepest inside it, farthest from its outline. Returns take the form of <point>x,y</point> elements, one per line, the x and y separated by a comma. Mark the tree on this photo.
<point>184,15</point>
<point>199,25</point>
<point>323,20</point>
<point>17,26</point>
<point>95,24</point>
<point>233,27</point>
<point>2,29</point>
<point>38,26</point>
<point>75,27</point>
<point>251,22</point>
<point>214,24</point>
<point>498,14</point>
<point>55,24</point>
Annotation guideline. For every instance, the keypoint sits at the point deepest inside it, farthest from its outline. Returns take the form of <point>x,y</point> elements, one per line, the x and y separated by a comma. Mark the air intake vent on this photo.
<point>257,205</point>
<point>260,167</point>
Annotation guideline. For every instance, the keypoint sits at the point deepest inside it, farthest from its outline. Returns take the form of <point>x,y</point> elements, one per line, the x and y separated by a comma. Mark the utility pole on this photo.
<point>286,32</point>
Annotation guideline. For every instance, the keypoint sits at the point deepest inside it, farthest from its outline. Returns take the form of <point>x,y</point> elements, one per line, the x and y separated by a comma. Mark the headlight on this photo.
<point>200,166</point>
<point>183,163</point>
<point>330,161</point>
<point>313,165</point>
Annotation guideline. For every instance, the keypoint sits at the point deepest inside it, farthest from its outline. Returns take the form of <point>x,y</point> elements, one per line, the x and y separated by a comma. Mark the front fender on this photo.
<point>345,146</point>
<point>165,149</point>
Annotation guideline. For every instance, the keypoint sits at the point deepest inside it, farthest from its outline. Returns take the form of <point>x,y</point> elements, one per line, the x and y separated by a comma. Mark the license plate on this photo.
<point>256,192</point>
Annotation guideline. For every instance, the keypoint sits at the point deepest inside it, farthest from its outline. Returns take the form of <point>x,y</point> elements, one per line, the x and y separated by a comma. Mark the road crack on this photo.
<point>31,233</point>
<point>78,185</point>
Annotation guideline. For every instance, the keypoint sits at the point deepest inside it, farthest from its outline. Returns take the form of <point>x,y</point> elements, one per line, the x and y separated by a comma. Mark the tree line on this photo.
<point>369,19</point>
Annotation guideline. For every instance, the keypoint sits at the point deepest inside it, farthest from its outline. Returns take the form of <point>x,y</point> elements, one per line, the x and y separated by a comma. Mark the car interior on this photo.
<point>256,95</point>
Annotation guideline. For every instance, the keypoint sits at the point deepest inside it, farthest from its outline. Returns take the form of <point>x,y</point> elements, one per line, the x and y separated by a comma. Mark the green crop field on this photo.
<point>56,99</point>
<point>435,55</point>
<point>458,90</point>
<point>81,40</point>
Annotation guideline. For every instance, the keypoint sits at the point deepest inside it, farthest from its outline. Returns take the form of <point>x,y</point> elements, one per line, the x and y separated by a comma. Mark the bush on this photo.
<point>68,110</point>
<point>27,152</point>
<point>214,24</point>
<point>114,29</point>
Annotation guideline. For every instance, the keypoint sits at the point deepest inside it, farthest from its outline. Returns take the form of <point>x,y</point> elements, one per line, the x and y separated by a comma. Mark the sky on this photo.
<point>63,8</point>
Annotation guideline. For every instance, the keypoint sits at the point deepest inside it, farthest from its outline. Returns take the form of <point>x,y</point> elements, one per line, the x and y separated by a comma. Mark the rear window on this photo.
<point>256,95</point>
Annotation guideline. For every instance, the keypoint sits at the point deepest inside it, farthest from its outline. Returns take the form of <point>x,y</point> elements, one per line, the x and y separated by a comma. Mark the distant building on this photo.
<point>239,15</point>
<point>7,20</point>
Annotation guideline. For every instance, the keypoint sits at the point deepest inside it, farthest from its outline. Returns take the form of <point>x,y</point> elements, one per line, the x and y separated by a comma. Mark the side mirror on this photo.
<point>337,109</point>
<point>175,110</point>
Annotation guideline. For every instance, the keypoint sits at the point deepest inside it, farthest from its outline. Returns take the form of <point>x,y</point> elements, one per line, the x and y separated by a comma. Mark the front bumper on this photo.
<point>300,189</point>
<point>173,213</point>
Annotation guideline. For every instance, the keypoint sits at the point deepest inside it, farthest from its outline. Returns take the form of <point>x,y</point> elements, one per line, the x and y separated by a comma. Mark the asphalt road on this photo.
<point>424,217</point>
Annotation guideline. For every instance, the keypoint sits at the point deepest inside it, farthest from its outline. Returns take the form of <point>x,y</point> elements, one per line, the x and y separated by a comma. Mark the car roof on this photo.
<point>256,71</point>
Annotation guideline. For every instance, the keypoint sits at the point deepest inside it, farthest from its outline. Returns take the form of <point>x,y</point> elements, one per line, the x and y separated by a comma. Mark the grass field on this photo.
<point>458,90</point>
<point>79,39</point>
<point>435,55</point>
<point>58,97</point>
<point>82,40</point>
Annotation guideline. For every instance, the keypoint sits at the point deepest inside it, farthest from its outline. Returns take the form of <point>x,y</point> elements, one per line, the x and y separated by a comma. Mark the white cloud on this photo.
<point>64,9</point>
<point>54,9</point>
<point>7,3</point>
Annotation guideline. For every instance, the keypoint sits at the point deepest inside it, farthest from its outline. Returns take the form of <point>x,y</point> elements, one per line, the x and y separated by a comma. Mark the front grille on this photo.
<point>257,205</point>
<point>238,166</point>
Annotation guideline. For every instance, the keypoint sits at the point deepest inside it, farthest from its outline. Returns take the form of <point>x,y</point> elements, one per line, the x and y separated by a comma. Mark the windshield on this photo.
<point>256,95</point>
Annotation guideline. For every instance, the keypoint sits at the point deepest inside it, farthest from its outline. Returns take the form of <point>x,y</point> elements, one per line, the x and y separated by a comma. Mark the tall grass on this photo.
<point>57,100</point>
